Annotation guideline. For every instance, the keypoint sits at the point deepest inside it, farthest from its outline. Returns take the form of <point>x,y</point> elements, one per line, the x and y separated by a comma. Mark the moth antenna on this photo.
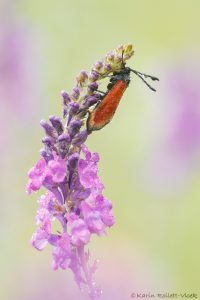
<point>142,75</point>
<point>145,75</point>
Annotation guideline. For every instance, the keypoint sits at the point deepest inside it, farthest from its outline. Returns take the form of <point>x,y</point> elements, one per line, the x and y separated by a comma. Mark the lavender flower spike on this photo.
<point>69,173</point>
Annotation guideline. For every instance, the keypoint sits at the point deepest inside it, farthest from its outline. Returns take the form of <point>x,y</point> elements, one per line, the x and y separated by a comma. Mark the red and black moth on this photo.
<point>105,109</point>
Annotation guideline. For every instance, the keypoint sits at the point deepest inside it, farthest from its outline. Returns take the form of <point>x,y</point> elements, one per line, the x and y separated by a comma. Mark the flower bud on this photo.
<point>76,92</point>
<point>64,141</point>
<point>47,140</point>
<point>127,48</point>
<point>91,101</point>
<point>82,77</point>
<point>49,130</point>
<point>92,87</point>
<point>120,48</point>
<point>74,107</point>
<point>80,138</point>
<point>57,124</point>
<point>47,155</point>
<point>94,75</point>
<point>128,55</point>
<point>110,57</point>
<point>73,161</point>
<point>64,138</point>
<point>107,67</point>
<point>74,127</point>
<point>98,65</point>
<point>66,97</point>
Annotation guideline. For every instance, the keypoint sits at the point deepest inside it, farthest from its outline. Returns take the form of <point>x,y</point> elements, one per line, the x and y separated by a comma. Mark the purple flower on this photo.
<point>80,235</point>
<point>95,223</point>
<point>98,210</point>
<point>105,206</point>
<point>88,169</point>
<point>62,253</point>
<point>74,198</point>
<point>43,213</point>
<point>40,238</point>
<point>36,176</point>
<point>57,169</point>
<point>69,173</point>
<point>54,171</point>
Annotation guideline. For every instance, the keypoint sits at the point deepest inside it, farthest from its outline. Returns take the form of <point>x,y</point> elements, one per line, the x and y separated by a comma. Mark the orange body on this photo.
<point>104,111</point>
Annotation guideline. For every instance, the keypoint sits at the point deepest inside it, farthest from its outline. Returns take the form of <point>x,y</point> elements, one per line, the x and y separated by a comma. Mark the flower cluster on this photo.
<point>69,173</point>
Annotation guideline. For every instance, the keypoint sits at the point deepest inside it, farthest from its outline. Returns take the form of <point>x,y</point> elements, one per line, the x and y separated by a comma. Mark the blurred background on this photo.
<point>150,152</point>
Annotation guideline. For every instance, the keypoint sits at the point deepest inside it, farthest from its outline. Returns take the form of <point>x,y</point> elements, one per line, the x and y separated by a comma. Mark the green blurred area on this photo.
<point>70,36</point>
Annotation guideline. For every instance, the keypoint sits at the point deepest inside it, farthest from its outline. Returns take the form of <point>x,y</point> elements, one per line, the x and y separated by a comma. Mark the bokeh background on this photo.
<point>150,153</point>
